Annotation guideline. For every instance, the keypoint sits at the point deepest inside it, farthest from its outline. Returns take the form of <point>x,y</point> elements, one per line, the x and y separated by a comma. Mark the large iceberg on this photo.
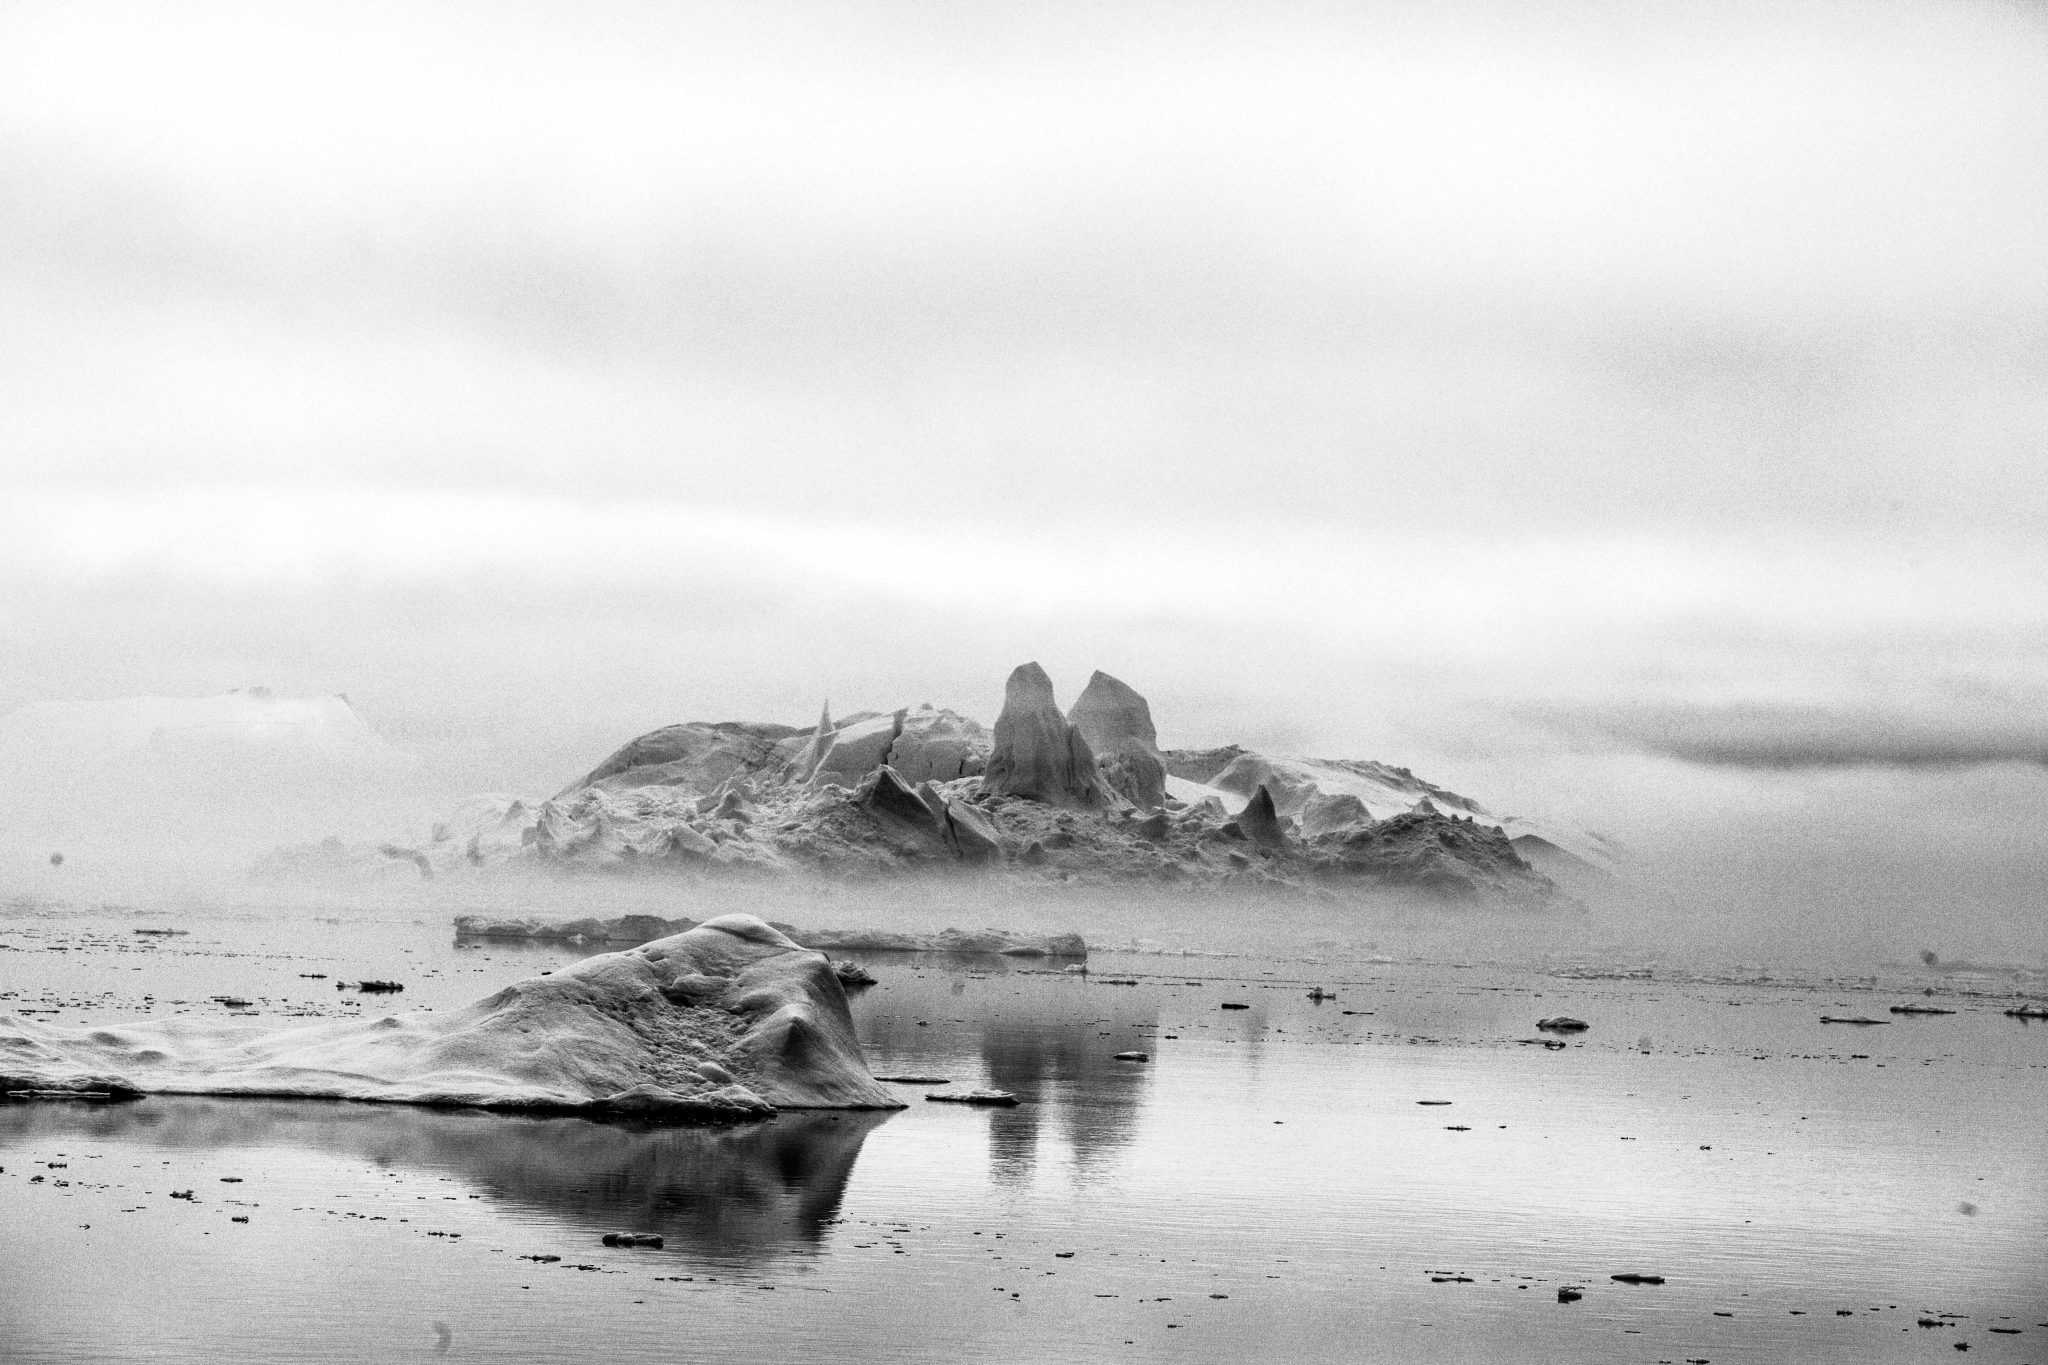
<point>1086,798</point>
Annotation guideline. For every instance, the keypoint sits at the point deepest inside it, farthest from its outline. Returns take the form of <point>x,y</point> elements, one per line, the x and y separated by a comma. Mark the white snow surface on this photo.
<point>1384,791</point>
<point>1195,793</point>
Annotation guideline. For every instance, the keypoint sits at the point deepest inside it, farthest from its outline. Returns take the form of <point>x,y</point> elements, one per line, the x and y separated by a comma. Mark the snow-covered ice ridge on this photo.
<point>1083,796</point>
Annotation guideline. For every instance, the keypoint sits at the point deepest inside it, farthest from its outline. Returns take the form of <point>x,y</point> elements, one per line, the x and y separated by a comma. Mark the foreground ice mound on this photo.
<point>726,1020</point>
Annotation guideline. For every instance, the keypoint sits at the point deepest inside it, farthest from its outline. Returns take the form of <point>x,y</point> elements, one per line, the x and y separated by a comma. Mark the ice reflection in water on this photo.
<point>1041,1039</point>
<point>739,1193</point>
<point>1275,1155</point>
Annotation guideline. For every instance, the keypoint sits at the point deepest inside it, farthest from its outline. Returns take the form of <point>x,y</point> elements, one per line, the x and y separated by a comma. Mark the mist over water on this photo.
<point>1837,867</point>
<point>1742,900</point>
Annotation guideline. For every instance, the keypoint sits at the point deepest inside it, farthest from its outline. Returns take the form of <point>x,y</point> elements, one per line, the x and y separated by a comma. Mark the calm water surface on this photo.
<point>1267,1186</point>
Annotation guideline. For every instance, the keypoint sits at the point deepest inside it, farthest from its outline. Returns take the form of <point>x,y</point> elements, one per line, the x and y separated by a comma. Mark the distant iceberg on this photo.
<point>247,721</point>
<point>1030,800</point>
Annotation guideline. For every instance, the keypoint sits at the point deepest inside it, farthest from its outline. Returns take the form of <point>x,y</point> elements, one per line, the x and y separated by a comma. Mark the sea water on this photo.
<point>1404,1172</point>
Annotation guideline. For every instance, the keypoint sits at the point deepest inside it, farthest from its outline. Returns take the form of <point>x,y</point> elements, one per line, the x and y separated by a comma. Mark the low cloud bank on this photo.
<point>1765,735</point>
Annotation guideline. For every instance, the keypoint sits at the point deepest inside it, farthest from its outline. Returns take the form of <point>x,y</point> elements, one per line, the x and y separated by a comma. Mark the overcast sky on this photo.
<point>1372,379</point>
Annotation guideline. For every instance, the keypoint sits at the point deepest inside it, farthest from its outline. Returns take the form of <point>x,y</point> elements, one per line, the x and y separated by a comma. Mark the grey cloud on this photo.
<point>1148,364</point>
<point>1780,736</point>
<point>1183,269</point>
